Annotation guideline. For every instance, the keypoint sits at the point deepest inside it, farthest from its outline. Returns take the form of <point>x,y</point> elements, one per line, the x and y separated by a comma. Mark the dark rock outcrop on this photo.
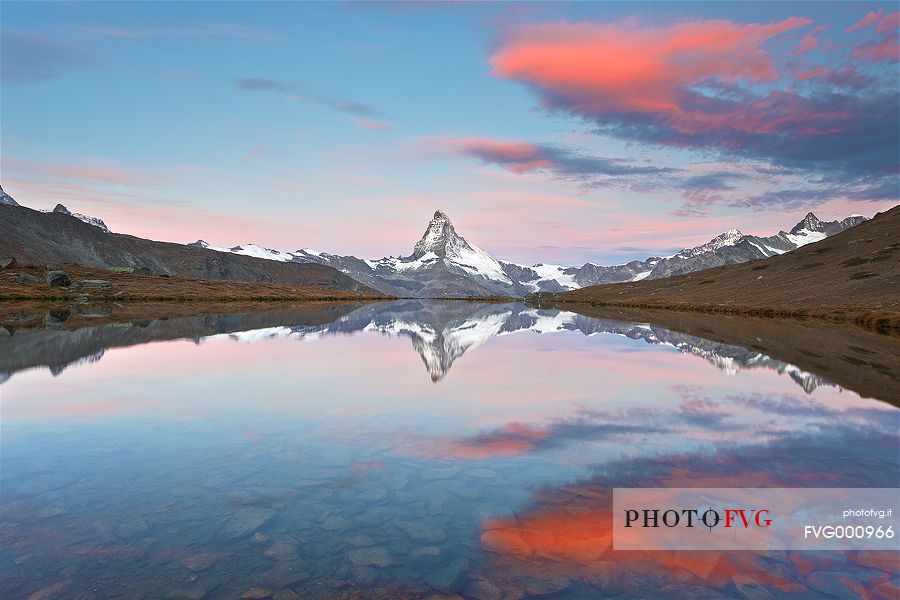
<point>57,277</point>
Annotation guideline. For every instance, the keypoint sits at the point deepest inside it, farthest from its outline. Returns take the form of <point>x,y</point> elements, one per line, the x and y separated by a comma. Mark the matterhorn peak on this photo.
<point>440,238</point>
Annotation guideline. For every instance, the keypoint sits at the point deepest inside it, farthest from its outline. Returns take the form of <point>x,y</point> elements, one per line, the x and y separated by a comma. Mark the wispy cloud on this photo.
<point>296,92</point>
<point>95,171</point>
<point>209,31</point>
<point>526,157</point>
<point>28,57</point>
<point>261,84</point>
<point>373,124</point>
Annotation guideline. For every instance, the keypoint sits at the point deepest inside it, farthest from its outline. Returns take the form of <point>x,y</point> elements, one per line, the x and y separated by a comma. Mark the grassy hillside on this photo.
<point>129,287</point>
<point>852,276</point>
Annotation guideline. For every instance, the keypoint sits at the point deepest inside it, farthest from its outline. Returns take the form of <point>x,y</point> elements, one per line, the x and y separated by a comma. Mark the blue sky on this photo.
<point>539,128</point>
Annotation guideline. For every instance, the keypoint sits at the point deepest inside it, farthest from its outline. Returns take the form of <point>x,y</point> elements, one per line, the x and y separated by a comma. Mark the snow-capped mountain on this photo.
<point>6,199</point>
<point>85,218</point>
<point>729,238</point>
<point>442,264</point>
<point>734,247</point>
<point>445,264</point>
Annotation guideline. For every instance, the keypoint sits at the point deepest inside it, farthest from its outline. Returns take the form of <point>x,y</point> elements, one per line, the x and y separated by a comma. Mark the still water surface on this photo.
<point>405,450</point>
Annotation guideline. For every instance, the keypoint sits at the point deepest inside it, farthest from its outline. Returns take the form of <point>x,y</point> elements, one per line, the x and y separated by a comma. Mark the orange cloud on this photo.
<point>568,535</point>
<point>602,68</point>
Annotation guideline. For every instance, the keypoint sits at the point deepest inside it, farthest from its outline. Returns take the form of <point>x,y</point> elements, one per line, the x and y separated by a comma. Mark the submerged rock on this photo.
<point>186,594</point>
<point>200,562</point>
<point>282,550</point>
<point>441,473</point>
<point>285,574</point>
<point>373,495</point>
<point>245,522</point>
<point>374,556</point>
<point>132,528</point>
<point>51,591</point>
<point>482,589</point>
<point>364,576</point>
<point>335,524</point>
<point>446,579</point>
<point>259,538</point>
<point>420,532</point>
<point>482,473</point>
<point>360,541</point>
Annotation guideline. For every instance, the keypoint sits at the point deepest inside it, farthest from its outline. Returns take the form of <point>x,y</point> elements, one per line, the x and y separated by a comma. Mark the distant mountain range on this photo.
<point>442,263</point>
<point>445,264</point>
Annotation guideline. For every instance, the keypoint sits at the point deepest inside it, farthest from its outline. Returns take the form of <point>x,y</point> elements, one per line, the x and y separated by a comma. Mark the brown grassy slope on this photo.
<point>856,359</point>
<point>854,276</point>
<point>128,287</point>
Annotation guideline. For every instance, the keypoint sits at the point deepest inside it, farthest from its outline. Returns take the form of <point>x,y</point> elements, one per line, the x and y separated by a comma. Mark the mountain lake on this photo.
<point>420,449</point>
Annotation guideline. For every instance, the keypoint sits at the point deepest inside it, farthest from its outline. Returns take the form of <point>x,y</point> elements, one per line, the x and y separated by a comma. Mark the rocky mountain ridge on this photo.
<point>444,264</point>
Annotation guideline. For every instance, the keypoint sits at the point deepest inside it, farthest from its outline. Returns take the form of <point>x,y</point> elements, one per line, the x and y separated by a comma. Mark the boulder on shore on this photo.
<point>96,284</point>
<point>57,277</point>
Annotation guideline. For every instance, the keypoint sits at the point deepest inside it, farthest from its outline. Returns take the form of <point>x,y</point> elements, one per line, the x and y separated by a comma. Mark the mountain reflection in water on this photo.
<point>176,458</point>
<point>441,332</point>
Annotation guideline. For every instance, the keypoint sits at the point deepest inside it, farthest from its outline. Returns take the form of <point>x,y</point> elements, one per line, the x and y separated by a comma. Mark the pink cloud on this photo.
<point>373,124</point>
<point>607,68</point>
<point>811,73</point>
<point>807,42</point>
<point>887,47</point>
<point>870,19</point>
<point>524,157</point>
<point>258,150</point>
<point>521,157</point>
<point>886,50</point>
<point>98,172</point>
